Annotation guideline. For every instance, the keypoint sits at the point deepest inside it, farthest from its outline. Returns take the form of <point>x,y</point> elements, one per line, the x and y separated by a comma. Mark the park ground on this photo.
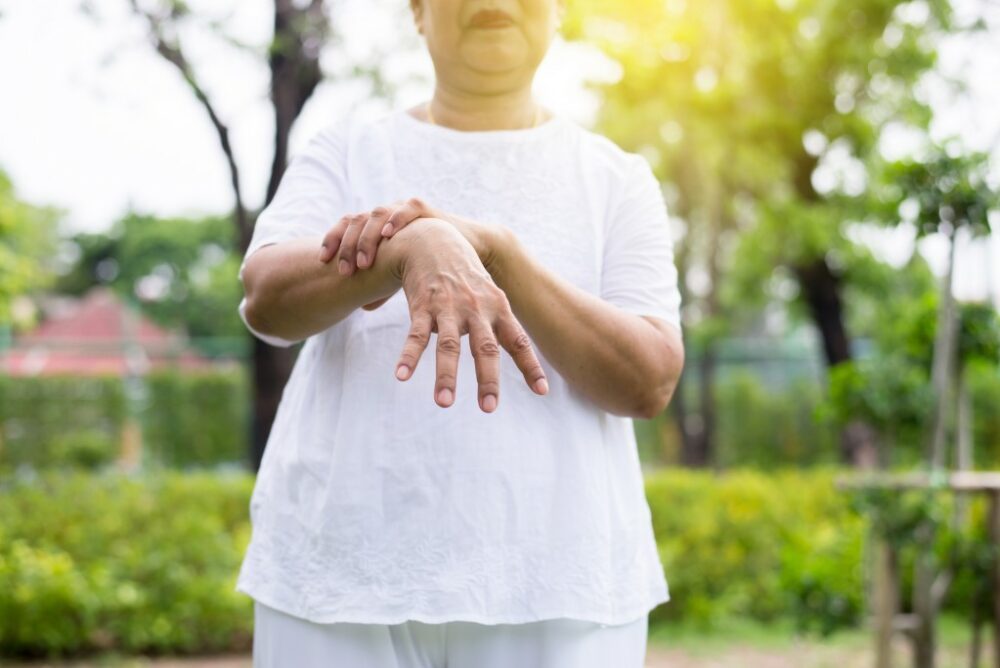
<point>731,645</point>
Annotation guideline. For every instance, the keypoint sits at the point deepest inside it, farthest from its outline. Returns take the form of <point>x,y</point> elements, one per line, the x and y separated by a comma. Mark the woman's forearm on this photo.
<point>292,295</point>
<point>623,362</point>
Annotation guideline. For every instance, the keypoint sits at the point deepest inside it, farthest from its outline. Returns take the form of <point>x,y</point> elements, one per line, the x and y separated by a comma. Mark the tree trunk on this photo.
<point>821,291</point>
<point>943,371</point>
<point>271,367</point>
<point>300,30</point>
<point>698,428</point>
<point>295,73</point>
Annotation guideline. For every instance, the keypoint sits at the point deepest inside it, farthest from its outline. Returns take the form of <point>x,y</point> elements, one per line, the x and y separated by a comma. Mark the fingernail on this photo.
<point>541,386</point>
<point>386,229</point>
<point>444,396</point>
<point>402,372</point>
<point>489,403</point>
<point>344,266</point>
<point>362,259</point>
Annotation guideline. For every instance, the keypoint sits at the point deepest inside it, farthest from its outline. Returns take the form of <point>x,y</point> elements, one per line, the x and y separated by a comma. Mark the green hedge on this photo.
<point>188,419</point>
<point>92,562</point>
<point>104,562</point>
<point>56,421</point>
<point>196,419</point>
<point>758,546</point>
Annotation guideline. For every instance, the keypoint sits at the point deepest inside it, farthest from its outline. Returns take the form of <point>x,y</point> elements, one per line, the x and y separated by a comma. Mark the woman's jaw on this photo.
<point>487,47</point>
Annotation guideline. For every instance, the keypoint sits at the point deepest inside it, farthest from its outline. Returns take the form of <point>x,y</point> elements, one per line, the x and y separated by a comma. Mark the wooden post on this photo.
<point>923,606</point>
<point>885,601</point>
<point>929,587</point>
<point>994,518</point>
<point>130,454</point>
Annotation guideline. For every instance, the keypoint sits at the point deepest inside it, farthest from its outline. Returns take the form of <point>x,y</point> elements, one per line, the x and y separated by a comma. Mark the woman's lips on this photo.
<point>490,19</point>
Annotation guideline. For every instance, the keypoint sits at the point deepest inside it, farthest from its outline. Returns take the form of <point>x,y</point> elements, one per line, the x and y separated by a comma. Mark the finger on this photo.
<point>416,342</point>
<point>349,244</point>
<point>331,242</point>
<point>370,236</point>
<point>405,213</point>
<point>516,341</point>
<point>486,353</point>
<point>449,345</point>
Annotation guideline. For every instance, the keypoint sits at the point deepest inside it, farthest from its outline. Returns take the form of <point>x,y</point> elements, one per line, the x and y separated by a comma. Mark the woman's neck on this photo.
<point>468,111</point>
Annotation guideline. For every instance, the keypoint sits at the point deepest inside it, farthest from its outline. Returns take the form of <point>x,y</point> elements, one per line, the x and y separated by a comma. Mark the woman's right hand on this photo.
<point>450,292</point>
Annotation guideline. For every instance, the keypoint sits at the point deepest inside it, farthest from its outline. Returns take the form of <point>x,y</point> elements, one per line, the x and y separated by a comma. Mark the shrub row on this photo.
<point>187,419</point>
<point>92,562</point>
<point>202,419</point>
<point>105,562</point>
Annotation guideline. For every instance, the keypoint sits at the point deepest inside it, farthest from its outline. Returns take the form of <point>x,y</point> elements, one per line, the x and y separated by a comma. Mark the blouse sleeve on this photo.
<point>638,272</point>
<point>312,195</point>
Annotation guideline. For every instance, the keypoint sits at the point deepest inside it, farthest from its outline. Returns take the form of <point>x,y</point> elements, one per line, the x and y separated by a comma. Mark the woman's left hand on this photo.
<point>357,236</point>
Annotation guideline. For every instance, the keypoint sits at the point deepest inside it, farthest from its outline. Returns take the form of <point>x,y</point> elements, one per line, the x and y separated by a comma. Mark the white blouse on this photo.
<point>375,505</point>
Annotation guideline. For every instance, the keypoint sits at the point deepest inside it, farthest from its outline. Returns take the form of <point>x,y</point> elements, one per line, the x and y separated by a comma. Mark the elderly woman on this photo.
<point>485,507</point>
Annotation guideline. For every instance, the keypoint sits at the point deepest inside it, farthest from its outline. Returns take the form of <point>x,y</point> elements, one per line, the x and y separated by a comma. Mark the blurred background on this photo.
<point>832,169</point>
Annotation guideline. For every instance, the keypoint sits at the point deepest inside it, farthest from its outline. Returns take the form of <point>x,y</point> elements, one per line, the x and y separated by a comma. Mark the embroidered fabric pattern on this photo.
<point>373,504</point>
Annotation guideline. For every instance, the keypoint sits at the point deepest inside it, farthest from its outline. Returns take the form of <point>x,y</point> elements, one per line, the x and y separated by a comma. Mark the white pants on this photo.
<point>284,641</point>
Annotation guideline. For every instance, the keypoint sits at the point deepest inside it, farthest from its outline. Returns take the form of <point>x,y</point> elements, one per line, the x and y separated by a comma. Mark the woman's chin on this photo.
<point>494,58</point>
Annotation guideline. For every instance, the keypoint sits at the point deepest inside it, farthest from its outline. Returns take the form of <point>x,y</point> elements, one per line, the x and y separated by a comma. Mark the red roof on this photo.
<point>99,335</point>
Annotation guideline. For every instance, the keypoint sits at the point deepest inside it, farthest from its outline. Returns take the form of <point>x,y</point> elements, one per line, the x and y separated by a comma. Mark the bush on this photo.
<point>196,419</point>
<point>756,425</point>
<point>187,419</point>
<point>92,562</point>
<point>54,421</point>
<point>757,546</point>
<point>101,562</point>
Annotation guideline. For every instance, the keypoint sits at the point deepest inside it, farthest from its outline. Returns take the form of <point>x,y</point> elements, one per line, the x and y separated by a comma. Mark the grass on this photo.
<point>743,644</point>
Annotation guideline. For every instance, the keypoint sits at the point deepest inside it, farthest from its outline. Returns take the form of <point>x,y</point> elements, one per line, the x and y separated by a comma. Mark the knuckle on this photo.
<point>418,337</point>
<point>521,343</point>
<point>358,219</point>
<point>380,211</point>
<point>487,348</point>
<point>449,344</point>
<point>415,202</point>
<point>494,295</point>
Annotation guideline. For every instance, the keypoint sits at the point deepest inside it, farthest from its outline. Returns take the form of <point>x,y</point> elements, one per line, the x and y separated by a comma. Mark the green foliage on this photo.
<point>984,387</point>
<point>765,427</point>
<point>27,239</point>
<point>58,421</point>
<point>979,333</point>
<point>188,419</point>
<point>183,271</point>
<point>197,419</point>
<point>920,522</point>
<point>105,562</point>
<point>739,106</point>
<point>941,191</point>
<point>975,554</point>
<point>889,392</point>
<point>82,449</point>
<point>757,546</point>
<point>891,388</point>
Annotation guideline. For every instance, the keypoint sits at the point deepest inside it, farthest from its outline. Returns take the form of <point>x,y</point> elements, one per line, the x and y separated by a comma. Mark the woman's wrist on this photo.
<point>401,246</point>
<point>498,246</point>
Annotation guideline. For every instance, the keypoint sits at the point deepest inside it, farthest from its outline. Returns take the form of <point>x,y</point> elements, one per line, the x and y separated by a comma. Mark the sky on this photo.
<point>96,122</point>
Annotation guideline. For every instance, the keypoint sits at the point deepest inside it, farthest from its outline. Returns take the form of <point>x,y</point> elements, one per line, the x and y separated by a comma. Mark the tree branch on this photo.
<point>171,51</point>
